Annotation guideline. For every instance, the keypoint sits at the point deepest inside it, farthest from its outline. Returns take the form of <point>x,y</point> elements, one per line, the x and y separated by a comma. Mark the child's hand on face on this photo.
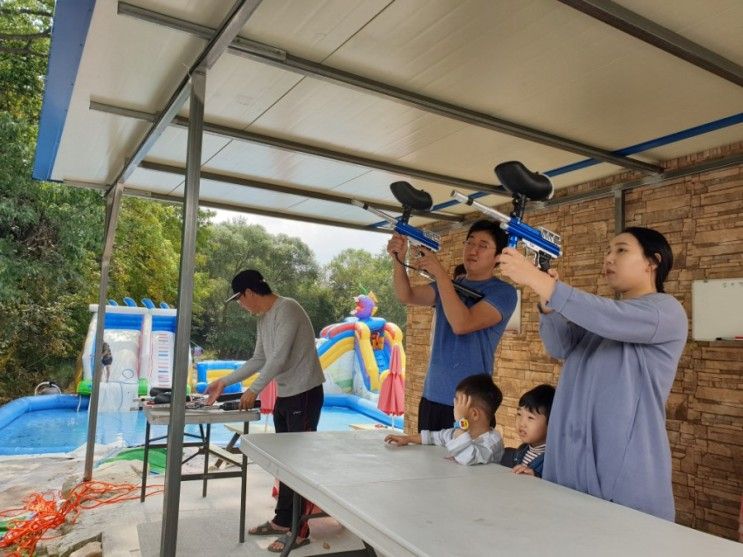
<point>397,440</point>
<point>523,469</point>
<point>462,405</point>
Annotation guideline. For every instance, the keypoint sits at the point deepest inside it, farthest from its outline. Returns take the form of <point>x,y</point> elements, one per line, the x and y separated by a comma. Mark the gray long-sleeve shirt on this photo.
<point>284,350</point>
<point>607,429</point>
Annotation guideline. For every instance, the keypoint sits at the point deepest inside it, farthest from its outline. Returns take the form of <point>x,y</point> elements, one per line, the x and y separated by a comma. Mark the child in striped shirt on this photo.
<point>532,418</point>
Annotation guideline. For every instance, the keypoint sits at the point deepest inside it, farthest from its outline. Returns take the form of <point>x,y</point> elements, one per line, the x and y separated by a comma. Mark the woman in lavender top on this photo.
<point>607,432</point>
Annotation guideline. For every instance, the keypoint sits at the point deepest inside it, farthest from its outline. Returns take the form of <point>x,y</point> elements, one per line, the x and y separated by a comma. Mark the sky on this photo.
<point>325,241</point>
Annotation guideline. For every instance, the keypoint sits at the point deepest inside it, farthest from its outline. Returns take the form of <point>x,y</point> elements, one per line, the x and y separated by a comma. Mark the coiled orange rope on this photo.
<point>50,511</point>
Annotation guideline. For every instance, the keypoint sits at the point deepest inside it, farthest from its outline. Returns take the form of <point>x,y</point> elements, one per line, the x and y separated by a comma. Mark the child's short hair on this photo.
<point>484,392</point>
<point>538,400</point>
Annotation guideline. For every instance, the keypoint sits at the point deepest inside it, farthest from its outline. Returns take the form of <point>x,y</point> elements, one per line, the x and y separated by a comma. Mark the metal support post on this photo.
<point>113,206</point>
<point>183,332</point>
<point>618,211</point>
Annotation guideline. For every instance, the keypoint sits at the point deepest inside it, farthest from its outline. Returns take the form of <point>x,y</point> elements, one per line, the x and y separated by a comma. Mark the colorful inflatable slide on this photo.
<point>356,353</point>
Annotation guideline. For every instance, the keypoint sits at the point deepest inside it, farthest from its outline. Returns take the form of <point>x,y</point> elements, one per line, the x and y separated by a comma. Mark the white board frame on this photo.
<point>717,309</point>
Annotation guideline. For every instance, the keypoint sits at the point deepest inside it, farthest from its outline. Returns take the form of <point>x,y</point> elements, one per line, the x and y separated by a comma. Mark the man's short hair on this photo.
<point>538,400</point>
<point>484,392</point>
<point>493,228</point>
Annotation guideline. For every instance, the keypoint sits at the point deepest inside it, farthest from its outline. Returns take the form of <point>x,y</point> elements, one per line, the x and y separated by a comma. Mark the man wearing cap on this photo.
<point>285,351</point>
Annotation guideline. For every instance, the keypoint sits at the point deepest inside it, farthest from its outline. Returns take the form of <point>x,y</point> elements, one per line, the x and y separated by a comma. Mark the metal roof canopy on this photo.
<point>343,97</point>
<point>331,100</point>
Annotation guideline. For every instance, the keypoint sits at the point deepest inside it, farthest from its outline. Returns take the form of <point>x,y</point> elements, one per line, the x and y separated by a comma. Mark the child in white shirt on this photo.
<point>473,438</point>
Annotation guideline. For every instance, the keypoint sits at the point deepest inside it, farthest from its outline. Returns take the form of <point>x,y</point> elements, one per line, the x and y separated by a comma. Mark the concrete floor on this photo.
<point>210,526</point>
<point>207,526</point>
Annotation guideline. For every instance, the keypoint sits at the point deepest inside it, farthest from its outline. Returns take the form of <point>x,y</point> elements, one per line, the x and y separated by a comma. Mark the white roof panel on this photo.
<point>311,29</point>
<point>541,64</point>
<point>537,63</point>
<point>243,195</point>
<point>239,90</point>
<point>247,159</point>
<point>715,24</point>
<point>171,147</point>
<point>158,182</point>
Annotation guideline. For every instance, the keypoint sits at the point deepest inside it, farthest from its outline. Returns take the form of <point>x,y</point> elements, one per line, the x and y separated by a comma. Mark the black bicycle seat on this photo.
<point>519,180</point>
<point>408,196</point>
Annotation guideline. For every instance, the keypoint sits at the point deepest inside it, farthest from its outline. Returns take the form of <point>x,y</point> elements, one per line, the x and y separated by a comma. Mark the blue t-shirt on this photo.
<point>454,357</point>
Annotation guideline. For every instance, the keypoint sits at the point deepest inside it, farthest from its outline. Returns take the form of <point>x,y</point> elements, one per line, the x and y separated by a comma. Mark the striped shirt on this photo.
<point>533,452</point>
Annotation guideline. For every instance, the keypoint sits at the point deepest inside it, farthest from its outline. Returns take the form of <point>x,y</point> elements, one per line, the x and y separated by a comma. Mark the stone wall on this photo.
<point>702,217</point>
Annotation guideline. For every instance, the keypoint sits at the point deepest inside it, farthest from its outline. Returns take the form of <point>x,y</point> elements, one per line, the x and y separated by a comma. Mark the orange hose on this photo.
<point>51,511</point>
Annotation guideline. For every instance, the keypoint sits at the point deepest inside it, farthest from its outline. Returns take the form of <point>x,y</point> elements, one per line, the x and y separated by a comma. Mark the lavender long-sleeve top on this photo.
<point>607,429</point>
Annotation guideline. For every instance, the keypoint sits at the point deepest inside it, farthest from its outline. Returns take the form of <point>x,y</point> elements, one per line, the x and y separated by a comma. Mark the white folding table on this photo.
<point>411,500</point>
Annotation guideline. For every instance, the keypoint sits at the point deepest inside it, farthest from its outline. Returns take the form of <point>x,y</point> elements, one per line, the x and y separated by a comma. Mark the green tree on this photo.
<point>48,238</point>
<point>25,31</point>
<point>287,264</point>
<point>50,235</point>
<point>355,271</point>
<point>144,261</point>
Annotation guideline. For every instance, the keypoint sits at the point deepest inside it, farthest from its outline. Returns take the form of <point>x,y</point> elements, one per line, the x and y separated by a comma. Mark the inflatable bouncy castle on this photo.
<point>211,370</point>
<point>356,353</point>
<point>142,345</point>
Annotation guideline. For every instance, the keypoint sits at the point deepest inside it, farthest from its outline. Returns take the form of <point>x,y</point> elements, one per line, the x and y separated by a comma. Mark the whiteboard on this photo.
<point>717,309</point>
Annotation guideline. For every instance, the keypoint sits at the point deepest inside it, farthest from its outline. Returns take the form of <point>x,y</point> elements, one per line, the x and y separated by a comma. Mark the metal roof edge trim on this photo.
<point>69,33</point>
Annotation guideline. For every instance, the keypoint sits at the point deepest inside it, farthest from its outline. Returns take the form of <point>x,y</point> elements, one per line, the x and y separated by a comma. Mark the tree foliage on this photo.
<point>25,29</point>
<point>48,238</point>
<point>290,268</point>
<point>354,272</point>
<point>48,233</point>
<point>286,263</point>
<point>51,241</point>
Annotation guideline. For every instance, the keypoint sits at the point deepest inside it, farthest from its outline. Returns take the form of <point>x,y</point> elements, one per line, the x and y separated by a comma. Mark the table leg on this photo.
<point>228,448</point>
<point>145,460</point>
<point>206,457</point>
<point>296,518</point>
<point>243,487</point>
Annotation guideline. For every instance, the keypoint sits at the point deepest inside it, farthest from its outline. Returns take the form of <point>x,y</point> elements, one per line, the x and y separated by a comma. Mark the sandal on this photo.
<point>283,540</point>
<point>267,529</point>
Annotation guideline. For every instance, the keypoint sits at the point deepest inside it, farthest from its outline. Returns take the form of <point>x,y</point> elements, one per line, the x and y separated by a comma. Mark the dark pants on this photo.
<point>434,416</point>
<point>295,413</point>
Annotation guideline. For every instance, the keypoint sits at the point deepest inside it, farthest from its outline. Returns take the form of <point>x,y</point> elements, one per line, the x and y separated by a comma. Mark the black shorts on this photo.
<point>107,361</point>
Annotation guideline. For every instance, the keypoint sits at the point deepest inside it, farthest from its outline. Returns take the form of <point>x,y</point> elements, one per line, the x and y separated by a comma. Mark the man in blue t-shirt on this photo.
<point>467,332</point>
